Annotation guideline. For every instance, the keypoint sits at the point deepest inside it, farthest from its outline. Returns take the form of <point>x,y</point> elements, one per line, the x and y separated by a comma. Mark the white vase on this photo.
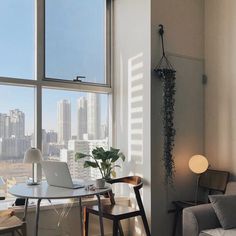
<point>100,183</point>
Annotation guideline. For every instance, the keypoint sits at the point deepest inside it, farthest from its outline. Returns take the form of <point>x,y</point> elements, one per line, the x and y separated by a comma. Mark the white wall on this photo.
<point>220,55</point>
<point>184,27</point>
<point>132,92</point>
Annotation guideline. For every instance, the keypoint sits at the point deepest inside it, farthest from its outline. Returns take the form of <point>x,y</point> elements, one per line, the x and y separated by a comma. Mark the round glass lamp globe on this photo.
<point>198,164</point>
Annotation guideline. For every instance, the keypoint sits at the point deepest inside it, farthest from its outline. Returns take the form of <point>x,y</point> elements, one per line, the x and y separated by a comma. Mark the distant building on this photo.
<point>14,148</point>
<point>13,142</point>
<point>93,116</point>
<point>51,137</point>
<point>77,170</point>
<point>82,117</point>
<point>17,123</point>
<point>4,128</point>
<point>64,121</point>
<point>54,149</point>
<point>12,124</point>
<point>44,143</point>
<point>85,146</point>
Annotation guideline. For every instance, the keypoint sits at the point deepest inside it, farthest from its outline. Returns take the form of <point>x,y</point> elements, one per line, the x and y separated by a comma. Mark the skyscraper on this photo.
<point>17,123</point>
<point>82,117</point>
<point>3,128</point>
<point>64,121</point>
<point>94,117</point>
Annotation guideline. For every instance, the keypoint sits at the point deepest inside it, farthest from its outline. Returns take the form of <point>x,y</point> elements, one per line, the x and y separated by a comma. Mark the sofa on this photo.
<point>202,220</point>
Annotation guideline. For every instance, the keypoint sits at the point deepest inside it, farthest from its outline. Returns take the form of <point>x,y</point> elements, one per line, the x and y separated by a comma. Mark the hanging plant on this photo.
<point>166,73</point>
<point>168,82</point>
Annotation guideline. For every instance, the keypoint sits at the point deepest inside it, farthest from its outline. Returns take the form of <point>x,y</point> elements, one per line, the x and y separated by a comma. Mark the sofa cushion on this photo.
<point>218,232</point>
<point>225,209</point>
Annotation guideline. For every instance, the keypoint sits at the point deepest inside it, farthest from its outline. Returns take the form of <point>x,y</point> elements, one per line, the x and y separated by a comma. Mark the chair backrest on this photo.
<point>231,188</point>
<point>214,180</point>
<point>137,183</point>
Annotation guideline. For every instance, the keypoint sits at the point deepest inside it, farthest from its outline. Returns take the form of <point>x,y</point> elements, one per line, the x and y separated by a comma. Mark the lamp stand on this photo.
<point>33,180</point>
<point>196,193</point>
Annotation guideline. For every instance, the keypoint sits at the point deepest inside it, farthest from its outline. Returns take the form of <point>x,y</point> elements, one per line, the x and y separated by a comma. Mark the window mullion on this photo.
<point>39,65</point>
<point>40,39</point>
<point>39,70</point>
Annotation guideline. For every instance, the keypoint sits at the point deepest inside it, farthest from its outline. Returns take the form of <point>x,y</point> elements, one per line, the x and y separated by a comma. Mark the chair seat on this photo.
<point>7,222</point>
<point>114,211</point>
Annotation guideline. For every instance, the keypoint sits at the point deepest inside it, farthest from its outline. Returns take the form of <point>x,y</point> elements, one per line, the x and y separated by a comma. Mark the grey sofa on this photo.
<point>202,221</point>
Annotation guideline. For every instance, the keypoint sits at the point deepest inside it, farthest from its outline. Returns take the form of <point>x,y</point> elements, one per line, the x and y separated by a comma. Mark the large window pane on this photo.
<point>17,39</point>
<point>16,131</point>
<point>75,39</point>
<point>74,122</point>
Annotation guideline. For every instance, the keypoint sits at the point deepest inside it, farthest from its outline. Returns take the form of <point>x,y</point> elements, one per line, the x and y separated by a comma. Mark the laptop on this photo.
<point>58,174</point>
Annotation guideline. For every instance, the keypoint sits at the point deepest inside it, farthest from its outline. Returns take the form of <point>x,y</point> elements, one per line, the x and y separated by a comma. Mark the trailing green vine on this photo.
<point>168,81</point>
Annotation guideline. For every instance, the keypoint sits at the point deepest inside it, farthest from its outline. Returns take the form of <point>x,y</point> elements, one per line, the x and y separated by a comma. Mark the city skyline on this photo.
<point>89,127</point>
<point>91,115</point>
<point>12,97</point>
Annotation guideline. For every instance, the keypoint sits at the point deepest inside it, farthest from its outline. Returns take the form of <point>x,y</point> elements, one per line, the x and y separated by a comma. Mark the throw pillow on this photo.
<point>225,209</point>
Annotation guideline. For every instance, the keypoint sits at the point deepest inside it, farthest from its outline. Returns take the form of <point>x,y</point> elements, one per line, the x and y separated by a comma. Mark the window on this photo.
<point>17,39</point>
<point>73,122</point>
<point>75,40</point>
<point>16,131</point>
<point>40,104</point>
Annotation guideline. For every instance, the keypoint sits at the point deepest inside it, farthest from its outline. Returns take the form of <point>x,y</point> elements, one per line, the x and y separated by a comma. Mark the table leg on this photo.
<point>81,217</point>
<point>26,208</point>
<point>37,218</point>
<point>100,215</point>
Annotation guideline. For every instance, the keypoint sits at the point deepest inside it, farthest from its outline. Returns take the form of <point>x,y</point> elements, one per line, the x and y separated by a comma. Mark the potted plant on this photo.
<point>104,160</point>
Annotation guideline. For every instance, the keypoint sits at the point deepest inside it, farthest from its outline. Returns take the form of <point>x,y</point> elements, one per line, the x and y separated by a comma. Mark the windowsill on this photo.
<point>57,204</point>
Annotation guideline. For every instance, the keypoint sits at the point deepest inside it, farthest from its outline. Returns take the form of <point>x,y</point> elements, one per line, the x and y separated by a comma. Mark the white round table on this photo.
<point>45,191</point>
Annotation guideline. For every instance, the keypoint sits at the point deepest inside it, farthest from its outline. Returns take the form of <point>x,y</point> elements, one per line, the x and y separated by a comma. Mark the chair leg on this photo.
<point>24,229</point>
<point>86,223</point>
<point>115,228</point>
<point>120,229</point>
<point>145,224</point>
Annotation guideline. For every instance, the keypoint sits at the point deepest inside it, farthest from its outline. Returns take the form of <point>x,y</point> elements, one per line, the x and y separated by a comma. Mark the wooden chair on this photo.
<point>212,181</point>
<point>116,212</point>
<point>12,224</point>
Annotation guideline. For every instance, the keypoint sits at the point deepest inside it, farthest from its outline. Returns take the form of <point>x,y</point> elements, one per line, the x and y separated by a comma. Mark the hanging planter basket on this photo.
<point>166,73</point>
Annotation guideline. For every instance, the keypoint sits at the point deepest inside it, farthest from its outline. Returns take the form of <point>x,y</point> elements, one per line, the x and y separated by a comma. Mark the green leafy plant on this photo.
<point>103,160</point>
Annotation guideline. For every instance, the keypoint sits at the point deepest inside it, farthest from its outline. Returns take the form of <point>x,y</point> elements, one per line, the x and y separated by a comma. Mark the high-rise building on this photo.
<point>82,117</point>
<point>12,125</point>
<point>17,123</point>
<point>93,116</point>
<point>13,148</point>
<point>3,125</point>
<point>76,168</point>
<point>51,136</point>
<point>64,121</point>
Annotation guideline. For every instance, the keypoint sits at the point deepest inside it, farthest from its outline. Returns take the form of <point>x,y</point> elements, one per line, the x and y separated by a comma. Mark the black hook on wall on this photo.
<point>161,32</point>
<point>164,63</point>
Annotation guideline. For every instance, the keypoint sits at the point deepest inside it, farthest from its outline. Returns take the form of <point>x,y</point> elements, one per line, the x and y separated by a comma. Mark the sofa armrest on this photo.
<point>198,218</point>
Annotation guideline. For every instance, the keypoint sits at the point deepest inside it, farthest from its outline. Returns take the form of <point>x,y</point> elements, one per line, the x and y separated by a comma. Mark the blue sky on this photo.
<point>74,46</point>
